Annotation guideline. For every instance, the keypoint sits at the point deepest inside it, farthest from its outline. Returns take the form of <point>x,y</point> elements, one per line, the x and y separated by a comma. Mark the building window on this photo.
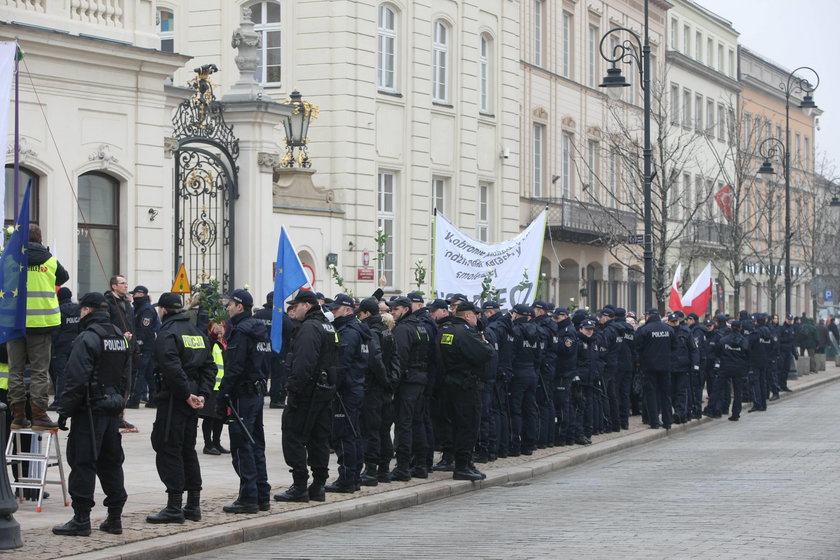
<point>675,104</point>
<point>567,45</point>
<point>682,200</point>
<point>266,18</point>
<point>807,165</point>
<point>440,62</point>
<point>710,117</point>
<point>698,46</point>
<point>798,157</point>
<point>592,56</point>
<point>439,194</point>
<point>567,165</point>
<point>539,7</point>
<point>686,108</point>
<point>721,122</point>
<point>483,221</point>
<point>485,68</point>
<point>166,30</point>
<point>700,198</point>
<point>98,231</point>
<point>386,56</point>
<point>721,69</point>
<point>732,68</point>
<point>710,52</point>
<point>539,158</point>
<point>698,112</point>
<point>385,220</point>
<point>24,178</point>
<point>612,177</point>
<point>593,174</point>
<point>687,40</point>
<point>674,28</point>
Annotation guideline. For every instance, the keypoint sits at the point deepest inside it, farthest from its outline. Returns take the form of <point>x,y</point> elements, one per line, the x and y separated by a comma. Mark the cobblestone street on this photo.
<point>765,487</point>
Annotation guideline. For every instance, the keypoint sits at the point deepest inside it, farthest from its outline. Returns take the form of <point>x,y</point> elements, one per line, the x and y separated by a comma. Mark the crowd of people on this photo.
<point>382,384</point>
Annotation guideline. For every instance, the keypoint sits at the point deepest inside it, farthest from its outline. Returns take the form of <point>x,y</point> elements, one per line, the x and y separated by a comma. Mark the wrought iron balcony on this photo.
<point>711,233</point>
<point>584,222</point>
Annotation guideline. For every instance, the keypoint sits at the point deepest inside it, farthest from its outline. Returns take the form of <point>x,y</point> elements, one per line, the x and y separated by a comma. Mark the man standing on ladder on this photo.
<point>98,373</point>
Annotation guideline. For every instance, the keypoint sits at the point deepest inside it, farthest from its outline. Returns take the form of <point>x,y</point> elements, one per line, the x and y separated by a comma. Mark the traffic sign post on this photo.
<point>181,285</point>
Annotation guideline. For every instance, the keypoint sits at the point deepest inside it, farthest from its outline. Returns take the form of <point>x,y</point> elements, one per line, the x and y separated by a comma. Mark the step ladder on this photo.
<point>44,452</point>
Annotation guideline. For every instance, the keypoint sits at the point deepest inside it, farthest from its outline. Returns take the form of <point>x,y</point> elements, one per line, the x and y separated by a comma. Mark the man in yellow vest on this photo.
<point>43,316</point>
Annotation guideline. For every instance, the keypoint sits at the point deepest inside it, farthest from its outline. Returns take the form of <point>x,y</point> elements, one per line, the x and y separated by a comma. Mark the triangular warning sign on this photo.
<point>181,285</point>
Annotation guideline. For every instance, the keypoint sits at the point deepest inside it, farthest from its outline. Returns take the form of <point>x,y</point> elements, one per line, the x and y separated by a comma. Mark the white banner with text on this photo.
<point>462,264</point>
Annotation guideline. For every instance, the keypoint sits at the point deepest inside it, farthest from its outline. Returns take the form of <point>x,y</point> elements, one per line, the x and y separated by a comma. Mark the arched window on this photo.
<point>266,18</point>
<point>440,62</point>
<point>98,231</point>
<point>166,30</point>
<point>26,175</point>
<point>386,49</point>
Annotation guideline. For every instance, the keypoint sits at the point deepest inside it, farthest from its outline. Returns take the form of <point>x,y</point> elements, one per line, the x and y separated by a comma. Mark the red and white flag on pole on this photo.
<point>699,294</point>
<point>674,300</point>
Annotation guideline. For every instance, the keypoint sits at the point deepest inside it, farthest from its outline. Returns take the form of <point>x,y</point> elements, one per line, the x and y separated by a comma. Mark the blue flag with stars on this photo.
<point>13,270</point>
<point>289,276</point>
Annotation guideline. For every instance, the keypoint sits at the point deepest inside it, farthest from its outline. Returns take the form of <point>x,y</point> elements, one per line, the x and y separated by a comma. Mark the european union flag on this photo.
<point>288,278</point>
<point>13,271</point>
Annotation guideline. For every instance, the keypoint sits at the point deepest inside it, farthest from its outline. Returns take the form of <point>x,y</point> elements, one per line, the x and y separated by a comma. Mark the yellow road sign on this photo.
<point>181,285</point>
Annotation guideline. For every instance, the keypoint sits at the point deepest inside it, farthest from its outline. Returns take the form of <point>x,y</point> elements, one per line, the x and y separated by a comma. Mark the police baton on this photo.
<point>241,423</point>
<point>346,415</point>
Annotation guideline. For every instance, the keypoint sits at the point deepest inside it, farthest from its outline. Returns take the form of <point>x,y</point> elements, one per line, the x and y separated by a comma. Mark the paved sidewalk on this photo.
<point>217,529</point>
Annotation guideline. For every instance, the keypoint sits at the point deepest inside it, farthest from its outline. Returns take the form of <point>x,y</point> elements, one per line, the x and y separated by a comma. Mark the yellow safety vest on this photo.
<point>4,376</point>
<point>220,365</point>
<point>41,301</point>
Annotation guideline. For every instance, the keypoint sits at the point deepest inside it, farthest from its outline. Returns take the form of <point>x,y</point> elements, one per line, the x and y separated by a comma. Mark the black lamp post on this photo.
<point>296,126</point>
<point>767,149</point>
<point>636,50</point>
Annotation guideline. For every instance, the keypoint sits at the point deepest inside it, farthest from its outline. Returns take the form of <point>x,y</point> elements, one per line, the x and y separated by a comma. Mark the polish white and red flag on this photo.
<point>699,294</point>
<point>674,300</point>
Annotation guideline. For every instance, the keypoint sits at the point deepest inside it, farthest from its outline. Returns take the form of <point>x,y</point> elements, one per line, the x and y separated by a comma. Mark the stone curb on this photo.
<point>219,536</point>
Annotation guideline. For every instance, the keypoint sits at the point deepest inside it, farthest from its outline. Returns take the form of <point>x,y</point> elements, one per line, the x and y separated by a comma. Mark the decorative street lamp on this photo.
<point>628,51</point>
<point>296,126</point>
<point>794,85</point>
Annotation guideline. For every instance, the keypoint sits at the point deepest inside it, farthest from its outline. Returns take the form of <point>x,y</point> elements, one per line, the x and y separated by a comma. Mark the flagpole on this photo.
<point>17,127</point>
<point>434,239</point>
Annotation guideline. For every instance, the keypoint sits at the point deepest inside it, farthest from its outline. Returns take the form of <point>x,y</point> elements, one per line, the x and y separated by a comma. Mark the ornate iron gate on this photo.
<point>206,185</point>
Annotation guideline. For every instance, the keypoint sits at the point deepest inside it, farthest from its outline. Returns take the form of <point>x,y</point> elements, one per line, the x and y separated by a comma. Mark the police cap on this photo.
<point>94,300</point>
<point>167,300</point>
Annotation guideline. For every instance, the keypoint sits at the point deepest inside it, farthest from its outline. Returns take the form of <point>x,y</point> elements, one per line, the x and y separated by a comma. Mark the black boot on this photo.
<point>113,523</point>
<point>368,476</point>
<point>463,472</point>
<point>79,526</point>
<point>296,493</point>
<point>446,464</point>
<point>383,473</point>
<point>316,491</point>
<point>192,510</point>
<point>172,513</point>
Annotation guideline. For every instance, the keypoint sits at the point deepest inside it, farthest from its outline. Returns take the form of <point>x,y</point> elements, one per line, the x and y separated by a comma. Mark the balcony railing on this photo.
<point>576,221</point>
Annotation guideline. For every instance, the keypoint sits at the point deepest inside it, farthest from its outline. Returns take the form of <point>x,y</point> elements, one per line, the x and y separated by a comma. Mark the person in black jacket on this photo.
<point>548,348</point>
<point>731,355</point>
<point>787,351</point>
<point>696,375</point>
<point>655,344</point>
<point>242,390</point>
<point>276,363</point>
<point>353,361</point>
<point>566,370</point>
<point>310,386</point>
<point>524,415</point>
<point>186,372</point>
<point>122,317</point>
<point>761,347</point>
<point>494,431</point>
<point>377,409</point>
<point>613,340</point>
<point>464,356</point>
<point>62,341</point>
<point>683,361</point>
<point>98,373</point>
<point>146,326</point>
<point>626,359</point>
<point>412,341</point>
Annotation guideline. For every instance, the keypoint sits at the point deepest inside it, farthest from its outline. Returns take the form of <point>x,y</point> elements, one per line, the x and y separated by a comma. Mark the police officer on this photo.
<point>353,360</point>
<point>787,336</point>
<point>612,339</point>
<point>98,373</point>
<point>276,362</point>
<point>655,345</point>
<point>310,385</point>
<point>377,410</point>
<point>731,354</point>
<point>146,326</point>
<point>565,368</point>
<point>494,433</point>
<point>684,359</point>
<point>464,358</point>
<point>761,347</point>
<point>696,375</point>
<point>242,390</point>
<point>548,348</point>
<point>412,341</point>
<point>186,372</point>
<point>626,359</point>
<point>586,370</point>
<point>62,340</point>
<point>524,415</point>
